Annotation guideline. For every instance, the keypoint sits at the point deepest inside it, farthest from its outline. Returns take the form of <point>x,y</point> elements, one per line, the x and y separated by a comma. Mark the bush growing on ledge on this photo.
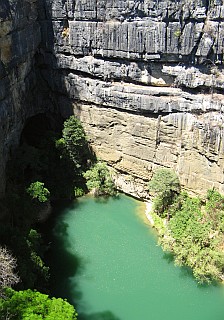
<point>164,185</point>
<point>37,191</point>
<point>78,192</point>
<point>99,180</point>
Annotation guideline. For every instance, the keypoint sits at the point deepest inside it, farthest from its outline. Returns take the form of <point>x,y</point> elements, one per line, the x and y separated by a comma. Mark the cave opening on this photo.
<point>37,157</point>
<point>37,127</point>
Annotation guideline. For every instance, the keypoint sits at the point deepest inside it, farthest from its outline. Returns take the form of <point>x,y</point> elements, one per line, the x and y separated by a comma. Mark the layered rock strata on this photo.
<point>146,79</point>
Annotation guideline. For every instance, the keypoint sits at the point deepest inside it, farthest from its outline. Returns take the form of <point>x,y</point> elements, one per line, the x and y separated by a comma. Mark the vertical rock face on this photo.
<point>146,78</point>
<point>19,39</point>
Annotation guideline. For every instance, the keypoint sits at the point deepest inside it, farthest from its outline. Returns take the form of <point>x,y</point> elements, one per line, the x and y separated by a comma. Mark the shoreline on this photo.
<point>148,210</point>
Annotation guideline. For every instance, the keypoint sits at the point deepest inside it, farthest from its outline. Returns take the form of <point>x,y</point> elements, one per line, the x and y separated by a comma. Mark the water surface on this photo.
<point>106,262</point>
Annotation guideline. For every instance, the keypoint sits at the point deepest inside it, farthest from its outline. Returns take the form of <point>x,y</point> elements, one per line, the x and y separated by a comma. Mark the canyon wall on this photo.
<point>146,79</point>
<point>19,39</point>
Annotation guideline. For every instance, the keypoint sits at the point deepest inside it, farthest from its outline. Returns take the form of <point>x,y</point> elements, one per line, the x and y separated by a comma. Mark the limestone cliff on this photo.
<point>19,39</point>
<point>145,77</point>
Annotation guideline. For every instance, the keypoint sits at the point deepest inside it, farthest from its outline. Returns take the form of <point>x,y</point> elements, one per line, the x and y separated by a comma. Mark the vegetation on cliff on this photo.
<point>38,192</point>
<point>50,167</point>
<point>73,144</point>
<point>165,185</point>
<point>192,228</point>
<point>99,180</point>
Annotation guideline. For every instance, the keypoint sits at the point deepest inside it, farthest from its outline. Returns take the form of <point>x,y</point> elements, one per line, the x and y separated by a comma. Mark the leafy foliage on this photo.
<point>75,153</point>
<point>51,167</point>
<point>55,163</point>
<point>37,250</point>
<point>37,191</point>
<point>29,249</point>
<point>78,192</point>
<point>33,305</point>
<point>165,185</point>
<point>74,143</point>
<point>194,234</point>
<point>99,179</point>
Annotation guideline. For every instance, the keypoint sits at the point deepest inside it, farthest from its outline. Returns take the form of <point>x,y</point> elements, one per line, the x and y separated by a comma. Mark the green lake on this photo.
<point>105,260</point>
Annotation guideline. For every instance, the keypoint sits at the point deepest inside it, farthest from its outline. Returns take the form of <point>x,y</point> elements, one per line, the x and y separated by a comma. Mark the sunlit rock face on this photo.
<point>145,77</point>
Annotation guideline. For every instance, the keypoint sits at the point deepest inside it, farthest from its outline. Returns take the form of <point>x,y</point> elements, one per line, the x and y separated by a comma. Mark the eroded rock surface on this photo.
<point>137,145</point>
<point>146,79</point>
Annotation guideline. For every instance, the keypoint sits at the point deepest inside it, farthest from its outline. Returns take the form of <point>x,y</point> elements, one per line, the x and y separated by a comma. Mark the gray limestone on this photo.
<point>145,77</point>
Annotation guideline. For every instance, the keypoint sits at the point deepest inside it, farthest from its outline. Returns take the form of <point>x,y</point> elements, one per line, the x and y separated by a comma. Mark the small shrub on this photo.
<point>37,191</point>
<point>164,185</point>
<point>99,179</point>
<point>177,33</point>
<point>78,192</point>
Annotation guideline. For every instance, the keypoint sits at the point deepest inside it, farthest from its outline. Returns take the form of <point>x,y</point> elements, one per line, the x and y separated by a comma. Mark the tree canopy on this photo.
<point>194,233</point>
<point>33,305</point>
<point>73,142</point>
<point>37,191</point>
<point>164,185</point>
<point>99,179</point>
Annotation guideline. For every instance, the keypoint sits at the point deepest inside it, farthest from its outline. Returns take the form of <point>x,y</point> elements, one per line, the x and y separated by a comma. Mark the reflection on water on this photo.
<point>104,260</point>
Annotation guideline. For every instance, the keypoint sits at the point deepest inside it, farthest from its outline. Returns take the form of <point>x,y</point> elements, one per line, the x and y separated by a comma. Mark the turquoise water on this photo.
<point>106,262</point>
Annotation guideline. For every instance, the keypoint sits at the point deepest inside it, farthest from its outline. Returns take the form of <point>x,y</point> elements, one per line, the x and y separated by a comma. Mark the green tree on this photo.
<point>99,179</point>
<point>194,237</point>
<point>73,142</point>
<point>164,185</point>
<point>33,305</point>
<point>37,191</point>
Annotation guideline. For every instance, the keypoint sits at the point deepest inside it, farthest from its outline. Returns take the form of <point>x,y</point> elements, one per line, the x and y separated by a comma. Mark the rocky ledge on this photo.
<point>145,77</point>
<point>146,80</point>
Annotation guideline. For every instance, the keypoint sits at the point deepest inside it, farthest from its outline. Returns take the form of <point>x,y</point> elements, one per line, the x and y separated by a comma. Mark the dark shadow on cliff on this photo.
<point>52,78</point>
<point>55,80</point>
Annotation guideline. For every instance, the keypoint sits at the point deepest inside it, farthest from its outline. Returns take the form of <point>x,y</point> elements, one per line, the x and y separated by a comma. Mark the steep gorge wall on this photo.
<point>19,39</point>
<point>23,92</point>
<point>146,79</point>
